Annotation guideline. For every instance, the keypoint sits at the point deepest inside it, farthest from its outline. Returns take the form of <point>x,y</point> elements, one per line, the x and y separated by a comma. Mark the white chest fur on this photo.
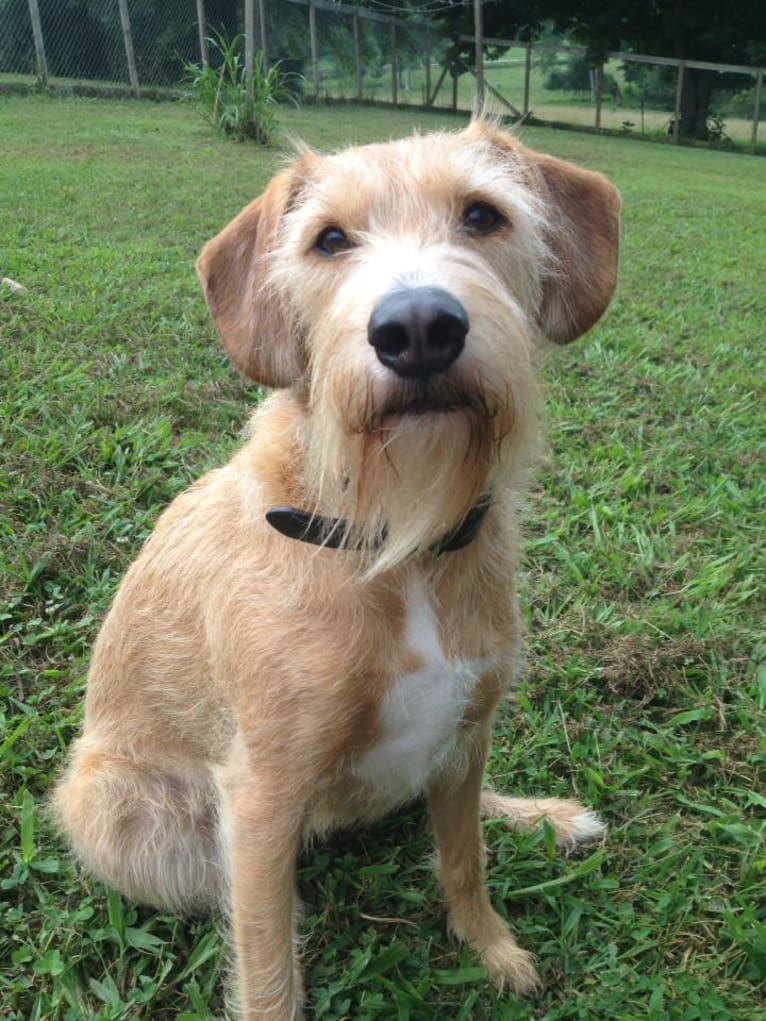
<point>422,712</point>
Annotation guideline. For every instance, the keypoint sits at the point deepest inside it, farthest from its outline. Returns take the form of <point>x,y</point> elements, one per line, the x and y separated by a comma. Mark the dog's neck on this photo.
<point>332,533</point>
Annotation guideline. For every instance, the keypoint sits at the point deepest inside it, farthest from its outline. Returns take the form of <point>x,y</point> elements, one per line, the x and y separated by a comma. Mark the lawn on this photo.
<point>644,587</point>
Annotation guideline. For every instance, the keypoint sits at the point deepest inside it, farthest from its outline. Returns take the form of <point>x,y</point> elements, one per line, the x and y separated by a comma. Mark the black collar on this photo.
<point>331,532</point>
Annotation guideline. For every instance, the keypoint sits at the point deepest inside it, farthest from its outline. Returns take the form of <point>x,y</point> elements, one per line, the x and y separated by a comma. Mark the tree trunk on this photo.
<point>695,102</point>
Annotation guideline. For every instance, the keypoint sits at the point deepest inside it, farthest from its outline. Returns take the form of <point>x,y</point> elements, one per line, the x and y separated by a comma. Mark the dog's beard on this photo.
<point>403,464</point>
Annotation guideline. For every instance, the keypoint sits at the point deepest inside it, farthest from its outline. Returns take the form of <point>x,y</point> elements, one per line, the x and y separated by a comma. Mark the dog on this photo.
<point>322,630</point>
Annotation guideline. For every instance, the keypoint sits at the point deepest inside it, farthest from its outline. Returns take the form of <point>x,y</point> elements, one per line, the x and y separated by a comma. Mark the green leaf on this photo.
<point>207,947</point>
<point>27,827</point>
<point>51,963</point>
<point>591,864</point>
<point>460,976</point>
<point>466,1011</point>
<point>106,991</point>
<point>15,734</point>
<point>142,939</point>
<point>690,716</point>
<point>761,683</point>
<point>22,955</point>
<point>116,913</point>
<point>387,959</point>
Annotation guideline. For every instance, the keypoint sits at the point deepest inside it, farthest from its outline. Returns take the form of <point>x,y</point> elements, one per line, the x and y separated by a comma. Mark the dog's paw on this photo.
<point>510,967</point>
<point>488,935</point>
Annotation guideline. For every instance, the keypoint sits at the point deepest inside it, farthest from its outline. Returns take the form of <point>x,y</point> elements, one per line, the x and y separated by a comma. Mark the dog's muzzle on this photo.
<point>418,331</point>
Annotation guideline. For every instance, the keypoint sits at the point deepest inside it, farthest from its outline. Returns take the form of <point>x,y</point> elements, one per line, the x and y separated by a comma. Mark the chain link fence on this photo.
<point>335,51</point>
<point>111,44</point>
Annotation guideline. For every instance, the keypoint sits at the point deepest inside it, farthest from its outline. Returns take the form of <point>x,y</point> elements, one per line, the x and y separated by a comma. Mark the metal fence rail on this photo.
<point>339,51</point>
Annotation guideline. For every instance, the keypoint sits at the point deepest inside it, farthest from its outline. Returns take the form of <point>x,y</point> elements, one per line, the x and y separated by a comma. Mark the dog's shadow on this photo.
<point>383,869</point>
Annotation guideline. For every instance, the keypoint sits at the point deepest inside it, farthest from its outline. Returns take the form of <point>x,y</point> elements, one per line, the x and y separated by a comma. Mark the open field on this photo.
<point>645,568</point>
<point>507,75</point>
<point>553,105</point>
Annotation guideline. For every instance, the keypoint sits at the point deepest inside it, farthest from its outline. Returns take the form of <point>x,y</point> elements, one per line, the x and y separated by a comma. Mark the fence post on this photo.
<point>358,54</point>
<point>249,46</point>
<point>127,36</point>
<point>478,41</point>
<point>677,111</point>
<point>439,84</point>
<point>455,75</point>
<point>527,76</point>
<point>757,110</point>
<point>37,33</point>
<point>599,94</point>
<point>428,67</point>
<point>204,55</point>
<point>264,37</point>
<point>394,67</point>
<point>314,46</point>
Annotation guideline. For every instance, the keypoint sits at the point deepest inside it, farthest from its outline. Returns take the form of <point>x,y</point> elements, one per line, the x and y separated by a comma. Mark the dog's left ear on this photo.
<point>250,316</point>
<point>583,235</point>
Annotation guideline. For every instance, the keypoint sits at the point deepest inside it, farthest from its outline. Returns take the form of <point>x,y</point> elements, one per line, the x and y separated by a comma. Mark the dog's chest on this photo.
<point>422,712</point>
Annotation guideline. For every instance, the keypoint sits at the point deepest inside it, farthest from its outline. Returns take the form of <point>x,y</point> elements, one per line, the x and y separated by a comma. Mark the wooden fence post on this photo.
<point>757,110</point>
<point>37,33</point>
<point>599,94</point>
<point>358,54</point>
<point>478,43</point>
<point>249,46</point>
<point>264,37</point>
<point>314,46</point>
<point>428,66</point>
<point>394,67</point>
<point>455,75</point>
<point>204,55</point>
<point>527,76</point>
<point>127,36</point>
<point>677,111</point>
<point>439,83</point>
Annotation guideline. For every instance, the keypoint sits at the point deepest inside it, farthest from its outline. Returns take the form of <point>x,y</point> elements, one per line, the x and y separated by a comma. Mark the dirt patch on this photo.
<point>646,667</point>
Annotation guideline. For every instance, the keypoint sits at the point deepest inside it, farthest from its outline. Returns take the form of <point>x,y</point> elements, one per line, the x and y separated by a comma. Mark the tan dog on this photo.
<point>249,689</point>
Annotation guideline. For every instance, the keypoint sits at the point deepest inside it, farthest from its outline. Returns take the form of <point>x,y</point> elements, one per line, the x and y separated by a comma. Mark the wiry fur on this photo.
<point>248,691</point>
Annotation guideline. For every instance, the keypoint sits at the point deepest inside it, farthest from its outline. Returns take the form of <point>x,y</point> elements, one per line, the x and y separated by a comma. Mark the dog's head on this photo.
<point>400,289</point>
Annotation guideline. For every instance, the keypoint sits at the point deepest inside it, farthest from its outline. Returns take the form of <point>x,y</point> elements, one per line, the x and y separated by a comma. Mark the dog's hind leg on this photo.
<point>572,822</point>
<point>149,830</point>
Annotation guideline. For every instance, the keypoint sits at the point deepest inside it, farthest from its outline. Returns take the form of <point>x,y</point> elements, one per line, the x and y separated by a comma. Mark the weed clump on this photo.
<point>239,105</point>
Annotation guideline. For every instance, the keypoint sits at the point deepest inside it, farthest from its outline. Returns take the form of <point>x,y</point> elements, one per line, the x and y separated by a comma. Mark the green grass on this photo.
<point>644,568</point>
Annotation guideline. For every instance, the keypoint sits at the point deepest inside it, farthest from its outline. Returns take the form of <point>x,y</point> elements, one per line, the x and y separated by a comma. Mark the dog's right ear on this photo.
<point>250,315</point>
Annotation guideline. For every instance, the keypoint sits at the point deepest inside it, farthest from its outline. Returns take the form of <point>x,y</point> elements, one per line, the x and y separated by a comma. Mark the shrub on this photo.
<point>239,108</point>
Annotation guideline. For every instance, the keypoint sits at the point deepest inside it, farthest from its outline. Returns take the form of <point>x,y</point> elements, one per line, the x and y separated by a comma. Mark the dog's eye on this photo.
<point>332,241</point>
<point>482,218</point>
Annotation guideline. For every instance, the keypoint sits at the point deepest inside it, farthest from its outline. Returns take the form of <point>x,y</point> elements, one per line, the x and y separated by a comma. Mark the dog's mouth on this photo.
<point>421,398</point>
<point>424,407</point>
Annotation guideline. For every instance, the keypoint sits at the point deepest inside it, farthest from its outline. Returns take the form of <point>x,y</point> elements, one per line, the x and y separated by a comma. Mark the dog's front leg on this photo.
<point>261,824</point>
<point>454,805</point>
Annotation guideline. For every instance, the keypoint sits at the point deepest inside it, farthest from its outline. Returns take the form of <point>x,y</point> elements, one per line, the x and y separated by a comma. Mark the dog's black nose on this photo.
<point>417,331</point>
